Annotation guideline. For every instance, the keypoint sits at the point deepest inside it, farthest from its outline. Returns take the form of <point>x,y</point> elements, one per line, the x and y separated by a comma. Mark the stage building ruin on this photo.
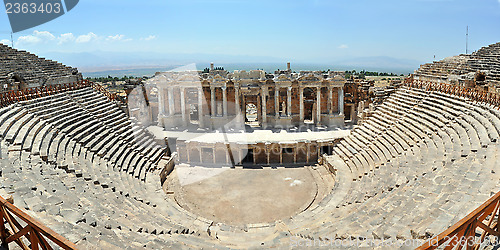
<point>283,100</point>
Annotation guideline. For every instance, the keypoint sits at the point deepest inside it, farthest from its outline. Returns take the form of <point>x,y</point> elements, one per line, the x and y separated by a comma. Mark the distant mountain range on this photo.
<point>99,63</point>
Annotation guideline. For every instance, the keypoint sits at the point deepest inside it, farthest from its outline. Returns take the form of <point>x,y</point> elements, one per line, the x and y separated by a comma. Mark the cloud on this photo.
<point>65,38</point>
<point>29,39</point>
<point>151,37</point>
<point>118,38</point>
<point>344,46</point>
<point>36,37</point>
<point>44,35</point>
<point>5,41</point>
<point>86,38</point>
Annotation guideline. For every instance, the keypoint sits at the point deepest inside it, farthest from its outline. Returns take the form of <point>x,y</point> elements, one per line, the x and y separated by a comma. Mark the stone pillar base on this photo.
<point>218,122</point>
<point>283,122</point>
<point>171,122</point>
<point>333,121</point>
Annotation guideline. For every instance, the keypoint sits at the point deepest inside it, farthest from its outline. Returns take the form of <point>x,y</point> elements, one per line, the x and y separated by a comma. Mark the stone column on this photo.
<point>341,101</point>
<point>276,102</point>
<point>268,152</point>
<point>264,106</point>
<point>171,101</point>
<point>330,100</point>
<point>289,101</point>
<point>161,101</point>
<point>200,108</point>
<point>295,152</point>
<point>183,107</point>
<point>318,105</point>
<point>224,101</point>
<point>281,155</point>
<point>213,154</point>
<point>301,101</point>
<point>244,107</point>
<point>212,101</point>
<point>227,152</point>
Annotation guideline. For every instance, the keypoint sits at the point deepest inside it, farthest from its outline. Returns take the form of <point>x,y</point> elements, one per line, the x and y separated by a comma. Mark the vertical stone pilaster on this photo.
<point>276,102</point>
<point>268,153</point>
<point>301,101</point>
<point>183,107</point>
<point>188,151</point>
<point>264,106</point>
<point>200,108</point>
<point>171,109</point>
<point>237,99</point>
<point>289,101</point>
<point>161,101</point>
<point>224,101</point>
<point>318,105</point>
<point>341,101</point>
<point>330,100</point>
<point>212,101</point>
<point>213,153</point>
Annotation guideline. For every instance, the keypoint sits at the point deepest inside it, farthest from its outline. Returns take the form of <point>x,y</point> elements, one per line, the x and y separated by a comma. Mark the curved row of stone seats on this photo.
<point>419,207</point>
<point>93,213</point>
<point>58,116</point>
<point>376,127</point>
<point>361,158</point>
<point>435,143</point>
<point>418,193</point>
<point>32,69</point>
<point>486,59</point>
<point>376,152</point>
<point>412,178</point>
<point>93,181</point>
<point>480,131</point>
<point>112,116</point>
<point>53,145</point>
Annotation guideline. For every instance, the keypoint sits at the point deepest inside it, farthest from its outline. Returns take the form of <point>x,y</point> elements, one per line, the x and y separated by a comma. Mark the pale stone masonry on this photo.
<point>282,100</point>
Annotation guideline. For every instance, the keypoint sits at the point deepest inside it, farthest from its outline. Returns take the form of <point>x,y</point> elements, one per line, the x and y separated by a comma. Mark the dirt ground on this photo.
<point>246,196</point>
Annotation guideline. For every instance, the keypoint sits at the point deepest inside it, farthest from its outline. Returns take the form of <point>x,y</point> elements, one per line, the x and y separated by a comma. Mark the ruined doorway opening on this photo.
<point>193,113</point>
<point>347,112</point>
<point>309,107</point>
<point>287,155</point>
<point>326,150</point>
<point>249,157</point>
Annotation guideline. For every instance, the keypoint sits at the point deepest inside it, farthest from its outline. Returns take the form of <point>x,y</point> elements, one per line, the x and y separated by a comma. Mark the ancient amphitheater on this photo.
<point>423,164</point>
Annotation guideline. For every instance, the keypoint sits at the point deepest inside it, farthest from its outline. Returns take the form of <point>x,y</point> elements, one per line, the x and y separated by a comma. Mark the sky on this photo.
<point>300,31</point>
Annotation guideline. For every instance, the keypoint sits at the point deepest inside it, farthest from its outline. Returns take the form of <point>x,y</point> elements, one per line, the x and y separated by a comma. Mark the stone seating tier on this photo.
<point>418,165</point>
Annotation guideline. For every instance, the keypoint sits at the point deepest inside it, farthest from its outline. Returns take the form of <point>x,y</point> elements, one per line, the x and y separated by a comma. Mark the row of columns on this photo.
<point>171,110</point>
<point>239,153</point>
<point>318,102</point>
<point>213,101</point>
